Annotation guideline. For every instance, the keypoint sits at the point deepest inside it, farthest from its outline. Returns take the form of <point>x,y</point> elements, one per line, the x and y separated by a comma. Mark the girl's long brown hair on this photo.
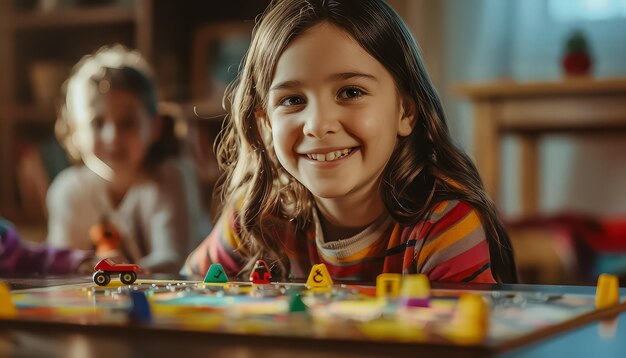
<point>425,168</point>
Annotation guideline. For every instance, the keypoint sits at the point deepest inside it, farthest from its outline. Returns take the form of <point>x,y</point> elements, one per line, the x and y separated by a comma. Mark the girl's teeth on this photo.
<point>330,156</point>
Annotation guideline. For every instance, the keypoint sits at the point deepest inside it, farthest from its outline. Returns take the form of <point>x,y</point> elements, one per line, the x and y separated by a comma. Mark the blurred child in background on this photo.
<point>130,175</point>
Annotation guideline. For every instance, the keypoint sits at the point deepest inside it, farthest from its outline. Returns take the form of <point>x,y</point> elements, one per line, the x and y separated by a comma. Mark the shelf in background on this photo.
<point>33,114</point>
<point>22,218</point>
<point>81,16</point>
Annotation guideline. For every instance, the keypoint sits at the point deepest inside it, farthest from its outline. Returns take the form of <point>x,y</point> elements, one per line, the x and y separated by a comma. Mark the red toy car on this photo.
<point>106,267</point>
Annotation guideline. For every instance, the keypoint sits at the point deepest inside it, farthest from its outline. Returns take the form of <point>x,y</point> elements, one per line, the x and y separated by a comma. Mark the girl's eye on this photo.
<point>291,101</point>
<point>97,123</point>
<point>350,93</point>
<point>127,123</point>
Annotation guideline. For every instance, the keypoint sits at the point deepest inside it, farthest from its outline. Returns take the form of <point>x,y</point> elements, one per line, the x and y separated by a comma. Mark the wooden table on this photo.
<point>530,110</point>
<point>33,337</point>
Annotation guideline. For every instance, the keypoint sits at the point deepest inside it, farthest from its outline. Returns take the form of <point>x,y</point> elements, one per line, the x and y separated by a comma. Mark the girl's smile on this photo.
<point>329,155</point>
<point>330,160</point>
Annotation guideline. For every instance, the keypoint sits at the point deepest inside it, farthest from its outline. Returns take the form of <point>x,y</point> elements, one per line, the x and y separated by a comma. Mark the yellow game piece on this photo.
<point>415,291</point>
<point>319,277</point>
<point>607,291</point>
<point>471,320</point>
<point>7,308</point>
<point>385,329</point>
<point>388,285</point>
<point>472,310</point>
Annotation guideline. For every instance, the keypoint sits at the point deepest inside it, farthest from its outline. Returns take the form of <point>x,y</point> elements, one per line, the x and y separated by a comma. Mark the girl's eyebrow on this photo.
<point>285,85</point>
<point>334,77</point>
<point>351,75</point>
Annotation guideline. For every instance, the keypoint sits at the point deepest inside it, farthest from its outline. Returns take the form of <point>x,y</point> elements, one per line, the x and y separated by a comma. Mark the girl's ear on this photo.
<point>408,117</point>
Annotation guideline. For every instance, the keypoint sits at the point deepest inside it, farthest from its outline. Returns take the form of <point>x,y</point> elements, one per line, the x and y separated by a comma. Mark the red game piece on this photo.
<point>106,267</point>
<point>260,273</point>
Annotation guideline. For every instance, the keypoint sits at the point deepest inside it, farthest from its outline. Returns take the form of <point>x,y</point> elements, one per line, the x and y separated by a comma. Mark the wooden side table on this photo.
<point>530,110</point>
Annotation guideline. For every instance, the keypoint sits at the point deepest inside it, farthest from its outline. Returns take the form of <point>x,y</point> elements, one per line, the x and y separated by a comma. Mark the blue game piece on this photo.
<point>216,274</point>
<point>140,309</point>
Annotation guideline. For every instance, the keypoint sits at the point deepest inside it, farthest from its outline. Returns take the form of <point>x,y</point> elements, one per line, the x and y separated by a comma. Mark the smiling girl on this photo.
<point>337,152</point>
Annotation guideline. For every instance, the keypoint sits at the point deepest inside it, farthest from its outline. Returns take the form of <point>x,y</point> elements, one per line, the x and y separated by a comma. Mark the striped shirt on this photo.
<point>449,246</point>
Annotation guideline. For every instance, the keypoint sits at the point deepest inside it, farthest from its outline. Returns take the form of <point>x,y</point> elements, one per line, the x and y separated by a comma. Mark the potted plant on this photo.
<point>576,61</point>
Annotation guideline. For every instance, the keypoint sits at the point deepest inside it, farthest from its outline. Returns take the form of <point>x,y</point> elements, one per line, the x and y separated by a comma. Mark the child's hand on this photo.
<point>105,237</point>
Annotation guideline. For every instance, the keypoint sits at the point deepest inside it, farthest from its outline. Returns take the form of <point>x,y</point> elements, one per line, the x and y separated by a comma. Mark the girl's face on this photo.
<point>335,114</point>
<point>116,131</point>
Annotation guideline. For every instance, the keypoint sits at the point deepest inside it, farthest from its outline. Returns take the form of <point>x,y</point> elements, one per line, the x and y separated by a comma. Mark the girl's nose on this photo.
<point>321,120</point>
<point>108,133</point>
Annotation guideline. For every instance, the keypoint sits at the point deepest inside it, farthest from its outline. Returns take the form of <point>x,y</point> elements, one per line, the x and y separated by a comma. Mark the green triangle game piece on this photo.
<point>216,274</point>
<point>296,304</point>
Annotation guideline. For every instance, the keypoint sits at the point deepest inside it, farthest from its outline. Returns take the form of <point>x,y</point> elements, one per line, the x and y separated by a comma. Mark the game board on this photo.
<point>511,315</point>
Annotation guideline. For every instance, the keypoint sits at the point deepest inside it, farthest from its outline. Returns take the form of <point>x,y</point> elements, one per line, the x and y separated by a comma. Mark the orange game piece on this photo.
<point>105,237</point>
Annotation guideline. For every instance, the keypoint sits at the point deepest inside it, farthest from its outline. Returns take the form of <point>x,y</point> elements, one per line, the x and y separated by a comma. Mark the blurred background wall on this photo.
<point>524,40</point>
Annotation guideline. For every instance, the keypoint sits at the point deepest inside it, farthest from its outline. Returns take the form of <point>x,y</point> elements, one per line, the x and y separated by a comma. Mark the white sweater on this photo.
<point>152,217</point>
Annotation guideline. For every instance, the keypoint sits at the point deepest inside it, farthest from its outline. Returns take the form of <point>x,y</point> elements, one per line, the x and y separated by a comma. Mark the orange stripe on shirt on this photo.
<point>457,232</point>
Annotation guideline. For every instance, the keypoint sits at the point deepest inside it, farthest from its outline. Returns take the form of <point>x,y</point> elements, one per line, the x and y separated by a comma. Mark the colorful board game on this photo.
<point>398,309</point>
